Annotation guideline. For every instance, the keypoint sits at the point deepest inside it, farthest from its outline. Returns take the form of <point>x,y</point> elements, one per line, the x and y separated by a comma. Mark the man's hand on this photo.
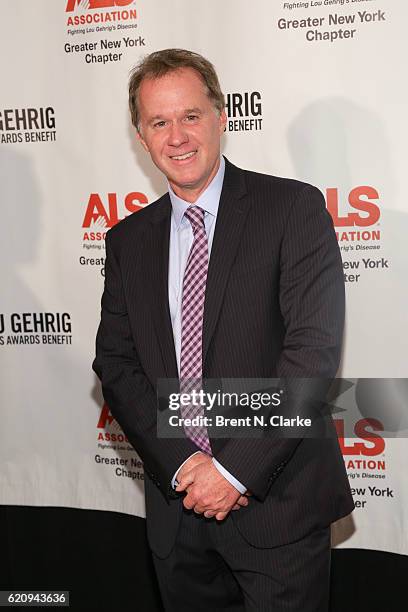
<point>191,463</point>
<point>208,492</point>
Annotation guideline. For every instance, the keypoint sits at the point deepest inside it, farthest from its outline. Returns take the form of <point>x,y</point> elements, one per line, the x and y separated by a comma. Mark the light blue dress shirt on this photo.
<point>181,240</point>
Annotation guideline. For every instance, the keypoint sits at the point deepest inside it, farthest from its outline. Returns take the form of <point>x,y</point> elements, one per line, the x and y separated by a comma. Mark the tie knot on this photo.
<point>195,215</point>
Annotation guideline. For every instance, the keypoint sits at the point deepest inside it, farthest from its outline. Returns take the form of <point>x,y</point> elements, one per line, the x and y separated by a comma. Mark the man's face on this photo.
<point>181,129</point>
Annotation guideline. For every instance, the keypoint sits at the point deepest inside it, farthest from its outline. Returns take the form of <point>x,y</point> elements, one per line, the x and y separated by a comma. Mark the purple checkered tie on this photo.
<point>192,314</point>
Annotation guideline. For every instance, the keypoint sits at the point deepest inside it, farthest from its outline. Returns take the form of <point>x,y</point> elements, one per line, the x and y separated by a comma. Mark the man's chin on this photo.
<point>184,182</point>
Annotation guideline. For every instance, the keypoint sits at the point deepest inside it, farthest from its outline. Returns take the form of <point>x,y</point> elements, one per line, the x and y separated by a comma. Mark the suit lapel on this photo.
<point>156,267</point>
<point>232,212</point>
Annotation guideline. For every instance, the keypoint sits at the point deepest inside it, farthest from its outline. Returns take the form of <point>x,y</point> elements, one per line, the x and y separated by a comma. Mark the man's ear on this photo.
<point>223,121</point>
<point>143,143</point>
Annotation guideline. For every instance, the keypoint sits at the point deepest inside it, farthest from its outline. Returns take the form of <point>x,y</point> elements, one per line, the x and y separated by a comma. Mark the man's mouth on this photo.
<point>182,157</point>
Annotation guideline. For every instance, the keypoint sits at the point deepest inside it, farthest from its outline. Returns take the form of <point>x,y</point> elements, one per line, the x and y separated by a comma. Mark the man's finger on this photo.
<point>189,502</point>
<point>220,516</point>
<point>243,501</point>
<point>185,481</point>
<point>209,513</point>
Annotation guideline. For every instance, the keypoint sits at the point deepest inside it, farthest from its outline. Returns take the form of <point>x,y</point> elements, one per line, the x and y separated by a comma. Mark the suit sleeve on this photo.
<point>126,388</point>
<point>311,297</point>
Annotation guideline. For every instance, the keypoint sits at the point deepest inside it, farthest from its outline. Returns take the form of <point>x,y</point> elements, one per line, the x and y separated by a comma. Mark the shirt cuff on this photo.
<point>174,481</point>
<point>231,479</point>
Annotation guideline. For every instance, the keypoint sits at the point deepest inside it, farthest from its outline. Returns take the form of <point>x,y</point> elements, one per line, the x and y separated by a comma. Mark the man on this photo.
<point>231,274</point>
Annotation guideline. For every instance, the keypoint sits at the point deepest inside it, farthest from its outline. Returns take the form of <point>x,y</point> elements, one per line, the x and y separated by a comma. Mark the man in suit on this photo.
<point>230,274</point>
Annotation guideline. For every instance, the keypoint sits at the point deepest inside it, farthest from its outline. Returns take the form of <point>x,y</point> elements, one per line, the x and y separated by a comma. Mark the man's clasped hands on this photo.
<point>207,491</point>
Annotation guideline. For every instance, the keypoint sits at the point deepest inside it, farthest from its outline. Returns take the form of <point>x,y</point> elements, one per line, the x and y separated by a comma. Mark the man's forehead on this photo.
<point>181,72</point>
<point>164,94</point>
<point>173,80</point>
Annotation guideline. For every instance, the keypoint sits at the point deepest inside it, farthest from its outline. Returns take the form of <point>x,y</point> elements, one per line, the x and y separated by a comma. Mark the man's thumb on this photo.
<point>185,481</point>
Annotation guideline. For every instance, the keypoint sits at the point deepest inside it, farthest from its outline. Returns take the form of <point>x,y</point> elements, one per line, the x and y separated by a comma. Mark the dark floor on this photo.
<point>103,560</point>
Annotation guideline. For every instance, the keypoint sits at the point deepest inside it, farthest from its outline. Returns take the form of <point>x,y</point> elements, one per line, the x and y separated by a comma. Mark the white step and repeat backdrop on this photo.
<point>315,90</point>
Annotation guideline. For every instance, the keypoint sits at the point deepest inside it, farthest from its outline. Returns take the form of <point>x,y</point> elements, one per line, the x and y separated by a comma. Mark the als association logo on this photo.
<point>110,430</point>
<point>361,451</point>
<point>99,17</point>
<point>111,437</point>
<point>105,212</point>
<point>99,11</point>
<point>368,442</point>
<point>360,213</point>
<point>102,213</point>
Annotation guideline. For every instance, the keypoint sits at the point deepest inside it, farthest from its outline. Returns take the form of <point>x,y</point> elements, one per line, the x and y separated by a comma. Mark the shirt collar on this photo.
<point>209,200</point>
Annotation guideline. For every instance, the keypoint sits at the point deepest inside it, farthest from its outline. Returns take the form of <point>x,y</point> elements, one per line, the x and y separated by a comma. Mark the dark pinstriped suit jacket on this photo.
<point>274,307</point>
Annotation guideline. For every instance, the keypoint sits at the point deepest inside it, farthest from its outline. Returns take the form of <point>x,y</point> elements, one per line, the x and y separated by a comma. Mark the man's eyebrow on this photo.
<point>196,110</point>
<point>155,118</point>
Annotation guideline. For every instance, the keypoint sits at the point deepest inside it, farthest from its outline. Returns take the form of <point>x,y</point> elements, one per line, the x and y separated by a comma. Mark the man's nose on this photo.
<point>177,135</point>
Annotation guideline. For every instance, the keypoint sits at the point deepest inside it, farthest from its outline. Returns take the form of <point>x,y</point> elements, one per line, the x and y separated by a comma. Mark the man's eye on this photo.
<point>191,117</point>
<point>159,124</point>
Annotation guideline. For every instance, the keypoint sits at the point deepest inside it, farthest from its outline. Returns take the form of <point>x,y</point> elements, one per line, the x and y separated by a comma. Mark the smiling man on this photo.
<point>231,274</point>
